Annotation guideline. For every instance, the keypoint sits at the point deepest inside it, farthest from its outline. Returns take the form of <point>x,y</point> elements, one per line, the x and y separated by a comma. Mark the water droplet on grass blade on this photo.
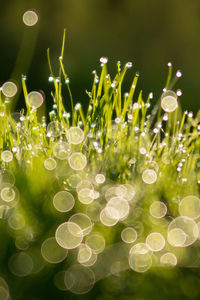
<point>103,60</point>
<point>169,101</point>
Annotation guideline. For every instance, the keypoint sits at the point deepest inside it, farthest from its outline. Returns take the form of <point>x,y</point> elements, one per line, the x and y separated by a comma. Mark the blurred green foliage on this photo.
<point>148,33</point>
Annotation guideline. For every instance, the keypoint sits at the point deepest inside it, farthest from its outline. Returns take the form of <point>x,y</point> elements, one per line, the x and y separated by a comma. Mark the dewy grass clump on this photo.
<point>91,195</point>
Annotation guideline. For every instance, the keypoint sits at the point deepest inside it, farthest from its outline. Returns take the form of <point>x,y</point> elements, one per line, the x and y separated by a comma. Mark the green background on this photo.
<point>150,33</point>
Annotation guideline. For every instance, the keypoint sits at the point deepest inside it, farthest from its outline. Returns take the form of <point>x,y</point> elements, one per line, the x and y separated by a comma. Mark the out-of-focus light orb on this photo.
<point>21,264</point>
<point>91,261</point>
<point>79,280</point>
<point>176,237</point>
<point>96,242</point>
<point>8,194</point>
<point>61,150</point>
<point>108,216</point>
<point>158,209</point>
<point>59,281</point>
<point>30,18</point>
<point>168,259</point>
<point>69,235</point>
<point>100,178</point>
<point>77,161</point>
<point>4,290</point>
<point>50,164</point>
<point>140,258</point>
<point>54,129</point>
<point>16,221</point>
<point>63,201</point>
<point>9,89</point>
<point>190,207</point>
<point>129,235</point>
<point>75,135</point>
<point>85,196</point>
<point>186,228</point>
<point>7,156</point>
<point>74,180</point>
<point>83,221</point>
<point>149,176</point>
<point>121,207</point>
<point>84,253</point>
<point>155,241</point>
<point>34,99</point>
<point>52,252</point>
<point>169,101</point>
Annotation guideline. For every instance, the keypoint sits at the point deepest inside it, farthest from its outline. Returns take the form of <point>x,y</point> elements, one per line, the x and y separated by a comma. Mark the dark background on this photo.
<point>150,33</point>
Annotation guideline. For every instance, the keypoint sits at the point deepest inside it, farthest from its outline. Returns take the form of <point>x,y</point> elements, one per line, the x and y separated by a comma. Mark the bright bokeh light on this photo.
<point>69,235</point>
<point>30,18</point>
<point>158,209</point>
<point>21,264</point>
<point>77,161</point>
<point>9,89</point>
<point>34,99</point>
<point>96,242</point>
<point>75,135</point>
<point>190,207</point>
<point>83,221</point>
<point>149,176</point>
<point>54,129</point>
<point>52,252</point>
<point>8,194</point>
<point>186,228</point>
<point>79,279</point>
<point>50,164</point>
<point>140,258</point>
<point>155,241</point>
<point>100,178</point>
<point>168,259</point>
<point>61,150</point>
<point>63,201</point>
<point>129,235</point>
<point>7,156</point>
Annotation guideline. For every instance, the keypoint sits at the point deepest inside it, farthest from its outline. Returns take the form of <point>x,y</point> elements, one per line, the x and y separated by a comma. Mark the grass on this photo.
<point>145,155</point>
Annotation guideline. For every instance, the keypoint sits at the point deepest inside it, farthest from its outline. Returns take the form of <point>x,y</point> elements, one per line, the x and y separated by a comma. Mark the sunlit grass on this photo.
<point>117,187</point>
